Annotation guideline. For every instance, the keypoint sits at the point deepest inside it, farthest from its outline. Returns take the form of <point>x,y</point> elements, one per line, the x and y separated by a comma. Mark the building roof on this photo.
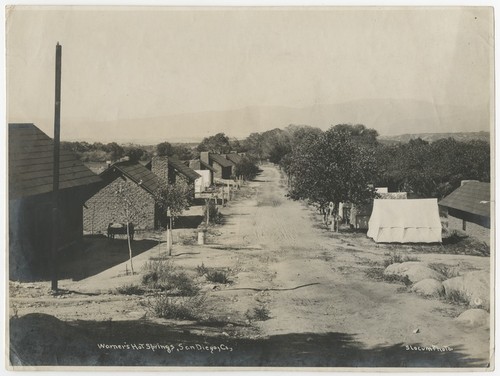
<point>198,164</point>
<point>31,161</point>
<point>183,169</point>
<point>234,157</point>
<point>472,197</point>
<point>217,158</point>
<point>138,174</point>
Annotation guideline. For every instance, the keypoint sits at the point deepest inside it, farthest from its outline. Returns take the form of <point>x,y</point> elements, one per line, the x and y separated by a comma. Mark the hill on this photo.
<point>387,116</point>
<point>431,137</point>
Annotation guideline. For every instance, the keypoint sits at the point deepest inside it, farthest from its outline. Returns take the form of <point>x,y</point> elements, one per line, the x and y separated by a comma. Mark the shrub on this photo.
<point>213,211</point>
<point>164,306</point>
<point>202,269</point>
<point>258,314</point>
<point>130,290</point>
<point>161,274</point>
<point>180,283</point>
<point>457,297</point>
<point>217,277</point>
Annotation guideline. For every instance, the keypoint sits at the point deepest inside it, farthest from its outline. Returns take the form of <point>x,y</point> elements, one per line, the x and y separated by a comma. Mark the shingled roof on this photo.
<point>183,169</point>
<point>234,157</point>
<point>221,160</point>
<point>31,160</point>
<point>138,174</point>
<point>472,197</point>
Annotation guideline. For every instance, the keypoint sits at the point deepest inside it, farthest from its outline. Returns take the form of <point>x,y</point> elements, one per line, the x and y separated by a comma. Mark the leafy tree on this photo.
<point>134,154</point>
<point>115,151</point>
<point>215,144</point>
<point>246,168</point>
<point>164,148</point>
<point>331,167</point>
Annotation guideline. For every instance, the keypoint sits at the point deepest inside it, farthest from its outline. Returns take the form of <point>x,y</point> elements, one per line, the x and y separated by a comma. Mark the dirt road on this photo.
<point>293,252</point>
<point>324,308</point>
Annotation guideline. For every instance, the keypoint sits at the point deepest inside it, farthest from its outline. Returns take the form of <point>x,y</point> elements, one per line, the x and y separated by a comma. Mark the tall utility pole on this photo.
<point>55,174</point>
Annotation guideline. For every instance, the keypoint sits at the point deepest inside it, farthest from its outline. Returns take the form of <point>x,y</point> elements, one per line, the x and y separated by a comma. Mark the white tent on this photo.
<point>405,221</point>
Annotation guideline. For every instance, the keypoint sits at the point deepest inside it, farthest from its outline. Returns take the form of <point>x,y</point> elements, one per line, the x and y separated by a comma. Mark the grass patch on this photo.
<point>378,275</point>
<point>258,314</point>
<point>446,270</point>
<point>212,275</point>
<point>162,275</point>
<point>397,258</point>
<point>457,297</point>
<point>393,278</point>
<point>130,290</point>
<point>167,307</point>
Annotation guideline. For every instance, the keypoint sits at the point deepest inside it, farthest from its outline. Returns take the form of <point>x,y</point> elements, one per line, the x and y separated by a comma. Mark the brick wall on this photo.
<point>107,206</point>
<point>479,232</point>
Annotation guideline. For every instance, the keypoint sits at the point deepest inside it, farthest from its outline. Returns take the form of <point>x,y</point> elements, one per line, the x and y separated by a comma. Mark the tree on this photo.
<point>164,148</point>
<point>115,151</point>
<point>172,200</point>
<point>215,144</point>
<point>331,167</point>
<point>246,168</point>
<point>134,154</point>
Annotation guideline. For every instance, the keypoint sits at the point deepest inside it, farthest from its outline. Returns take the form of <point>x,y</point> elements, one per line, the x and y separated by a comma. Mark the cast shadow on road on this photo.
<point>93,256</point>
<point>38,339</point>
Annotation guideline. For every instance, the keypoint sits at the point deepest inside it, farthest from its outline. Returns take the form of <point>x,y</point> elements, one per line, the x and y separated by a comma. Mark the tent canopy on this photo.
<point>405,221</point>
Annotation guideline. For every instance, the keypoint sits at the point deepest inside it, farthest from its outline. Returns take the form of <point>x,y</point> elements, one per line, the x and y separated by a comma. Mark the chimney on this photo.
<point>204,157</point>
<point>159,166</point>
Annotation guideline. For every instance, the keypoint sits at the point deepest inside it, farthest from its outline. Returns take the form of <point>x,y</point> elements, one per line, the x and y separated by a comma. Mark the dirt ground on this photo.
<point>325,307</point>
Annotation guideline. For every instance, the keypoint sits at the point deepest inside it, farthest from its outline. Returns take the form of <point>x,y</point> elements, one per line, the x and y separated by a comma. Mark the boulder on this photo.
<point>428,287</point>
<point>474,318</point>
<point>473,287</point>
<point>415,270</point>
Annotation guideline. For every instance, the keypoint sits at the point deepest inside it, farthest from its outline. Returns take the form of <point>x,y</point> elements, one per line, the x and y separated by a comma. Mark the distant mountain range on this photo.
<point>431,137</point>
<point>388,116</point>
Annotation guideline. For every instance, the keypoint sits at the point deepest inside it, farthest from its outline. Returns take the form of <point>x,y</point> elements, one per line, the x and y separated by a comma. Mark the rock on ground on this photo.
<point>474,317</point>
<point>415,270</point>
<point>474,287</point>
<point>428,287</point>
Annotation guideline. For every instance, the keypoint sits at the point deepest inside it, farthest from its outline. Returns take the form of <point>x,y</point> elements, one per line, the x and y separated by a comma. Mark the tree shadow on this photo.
<point>38,339</point>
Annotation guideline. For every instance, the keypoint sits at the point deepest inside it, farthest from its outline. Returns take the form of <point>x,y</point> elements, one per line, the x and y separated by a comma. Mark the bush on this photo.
<point>213,211</point>
<point>212,275</point>
<point>161,274</point>
<point>202,269</point>
<point>130,290</point>
<point>164,306</point>
<point>217,277</point>
<point>258,314</point>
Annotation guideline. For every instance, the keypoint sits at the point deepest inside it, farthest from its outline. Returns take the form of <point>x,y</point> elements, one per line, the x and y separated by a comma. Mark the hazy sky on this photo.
<point>127,63</point>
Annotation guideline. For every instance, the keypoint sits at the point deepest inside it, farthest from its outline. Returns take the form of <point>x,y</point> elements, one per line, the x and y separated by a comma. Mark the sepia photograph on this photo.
<point>250,187</point>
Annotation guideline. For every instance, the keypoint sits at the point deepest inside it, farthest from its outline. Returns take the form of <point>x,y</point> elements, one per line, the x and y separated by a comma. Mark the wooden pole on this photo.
<point>55,172</point>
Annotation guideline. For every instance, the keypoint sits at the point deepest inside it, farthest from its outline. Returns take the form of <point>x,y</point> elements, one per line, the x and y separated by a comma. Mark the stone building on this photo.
<point>223,167</point>
<point>125,186</point>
